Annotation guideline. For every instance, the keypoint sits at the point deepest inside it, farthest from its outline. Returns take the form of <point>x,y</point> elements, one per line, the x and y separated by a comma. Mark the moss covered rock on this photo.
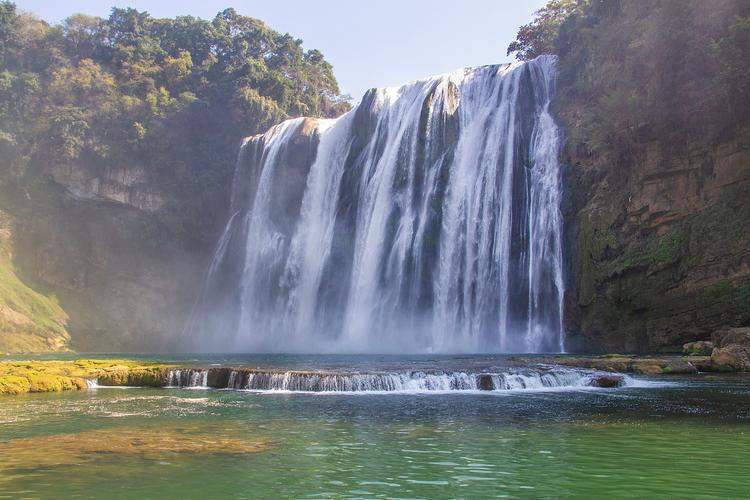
<point>699,348</point>
<point>17,377</point>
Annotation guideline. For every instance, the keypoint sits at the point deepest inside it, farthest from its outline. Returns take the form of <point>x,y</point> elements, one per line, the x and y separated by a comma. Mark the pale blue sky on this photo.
<point>370,44</point>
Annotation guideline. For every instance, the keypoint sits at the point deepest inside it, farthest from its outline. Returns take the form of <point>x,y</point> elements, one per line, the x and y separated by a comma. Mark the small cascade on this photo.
<point>188,377</point>
<point>397,382</point>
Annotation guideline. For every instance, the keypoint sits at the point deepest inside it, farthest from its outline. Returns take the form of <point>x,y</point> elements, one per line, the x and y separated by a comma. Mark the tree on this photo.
<point>539,36</point>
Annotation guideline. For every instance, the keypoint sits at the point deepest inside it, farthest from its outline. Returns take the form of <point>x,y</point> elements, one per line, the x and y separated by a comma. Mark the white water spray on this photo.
<point>427,219</point>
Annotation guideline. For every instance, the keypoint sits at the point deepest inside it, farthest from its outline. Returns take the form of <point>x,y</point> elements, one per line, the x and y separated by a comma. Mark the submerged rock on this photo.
<point>607,381</point>
<point>149,443</point>
<point>699,348</point>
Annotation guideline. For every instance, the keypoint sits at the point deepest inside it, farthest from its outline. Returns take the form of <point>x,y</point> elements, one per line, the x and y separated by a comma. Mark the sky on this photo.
<point>370,44</point>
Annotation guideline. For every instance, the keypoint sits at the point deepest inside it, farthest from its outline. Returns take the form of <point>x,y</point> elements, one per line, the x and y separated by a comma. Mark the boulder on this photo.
<point>485,383</point>
<point>218,378</point>
<point>731,357</point>
<point>728,336</point>
<point>699,348</point>
<point>663,366</point>
<point>607,381</point>
<point>678,367</point>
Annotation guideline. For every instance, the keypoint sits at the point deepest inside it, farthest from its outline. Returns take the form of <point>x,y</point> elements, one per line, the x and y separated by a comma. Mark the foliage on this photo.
<point>173,95</point>
<point>634,71</point>
<point>539,36</point>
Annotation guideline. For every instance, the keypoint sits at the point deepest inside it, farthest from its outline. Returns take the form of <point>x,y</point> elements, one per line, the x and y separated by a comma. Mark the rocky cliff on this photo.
<point>661,246</point>
<point>99,241</point>
<point>658,178</point>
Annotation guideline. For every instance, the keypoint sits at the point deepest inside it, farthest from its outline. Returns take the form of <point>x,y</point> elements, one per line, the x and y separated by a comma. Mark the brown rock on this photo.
<point>732,357</point>
<point>700,348</point>
<point>607,381</point>
<point>731,336</point>
<point>485,382</point>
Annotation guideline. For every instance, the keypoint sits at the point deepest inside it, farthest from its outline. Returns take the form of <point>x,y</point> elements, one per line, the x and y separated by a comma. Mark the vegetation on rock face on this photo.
<point>671,69</point>
<point>29,321</point>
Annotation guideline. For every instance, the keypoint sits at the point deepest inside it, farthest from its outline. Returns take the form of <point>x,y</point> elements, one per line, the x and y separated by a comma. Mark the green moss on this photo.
<point>12,384</point>
<point>18,377</point>
<point>29,321</point>
<point>723,287</point>
<point>668,247</point>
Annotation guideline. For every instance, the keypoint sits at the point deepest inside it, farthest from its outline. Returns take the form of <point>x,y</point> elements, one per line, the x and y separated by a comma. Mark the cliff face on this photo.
<point>661,246</point>
<point>99,241</point>
<point>658,182</point>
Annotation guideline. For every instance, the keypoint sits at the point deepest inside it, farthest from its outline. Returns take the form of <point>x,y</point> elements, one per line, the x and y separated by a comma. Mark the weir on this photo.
<point>397,381</point>
<point>426,219</point>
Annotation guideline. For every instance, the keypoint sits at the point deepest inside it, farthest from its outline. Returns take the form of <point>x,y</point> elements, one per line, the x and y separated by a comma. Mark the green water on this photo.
<point>690,439</point>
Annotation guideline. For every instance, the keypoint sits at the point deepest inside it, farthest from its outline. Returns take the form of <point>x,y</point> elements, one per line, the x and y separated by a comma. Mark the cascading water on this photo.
<point>515,379</point>
<point>427,219</point>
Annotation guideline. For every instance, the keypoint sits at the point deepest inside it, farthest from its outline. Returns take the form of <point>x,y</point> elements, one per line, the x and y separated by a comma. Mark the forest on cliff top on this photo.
<point>176,95</point>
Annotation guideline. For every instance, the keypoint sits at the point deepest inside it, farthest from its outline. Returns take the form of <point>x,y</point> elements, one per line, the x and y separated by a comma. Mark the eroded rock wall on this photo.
<point>661,245</point>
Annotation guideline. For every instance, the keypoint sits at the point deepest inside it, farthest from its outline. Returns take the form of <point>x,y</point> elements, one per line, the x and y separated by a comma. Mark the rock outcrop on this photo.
<point>607,381</point>
<point>662,256</point>
<point>732,351</point>
<point>658,149</point>
<point>107,244</point>
<point>699,348</point>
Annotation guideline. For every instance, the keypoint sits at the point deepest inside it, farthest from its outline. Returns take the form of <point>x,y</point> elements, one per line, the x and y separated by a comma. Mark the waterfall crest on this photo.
<point>427,219</point>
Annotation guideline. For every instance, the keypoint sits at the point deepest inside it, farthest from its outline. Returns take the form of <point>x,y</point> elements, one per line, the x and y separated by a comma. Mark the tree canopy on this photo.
<point>175,95</point>
<point>630,71</point>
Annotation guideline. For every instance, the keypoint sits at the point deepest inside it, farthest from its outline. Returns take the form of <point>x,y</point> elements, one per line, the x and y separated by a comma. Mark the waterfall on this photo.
<point>426,219</point>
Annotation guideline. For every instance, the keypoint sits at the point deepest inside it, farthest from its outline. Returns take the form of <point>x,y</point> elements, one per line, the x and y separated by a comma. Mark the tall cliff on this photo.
<point>654,97</point>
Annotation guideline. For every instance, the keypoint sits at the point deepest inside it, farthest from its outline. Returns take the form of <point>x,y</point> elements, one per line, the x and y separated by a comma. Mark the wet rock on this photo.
<point>731,357</point>
<point>607,381</point>
<point>147,443</point>
<point>702,363</point>
<point>699,348</point>
<point>678,367</point>
<point>218,378</point>
<point>485,382</point>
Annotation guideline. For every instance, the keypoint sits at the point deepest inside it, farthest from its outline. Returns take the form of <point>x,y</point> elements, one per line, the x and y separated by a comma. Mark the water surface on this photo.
<point>687,438</point>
